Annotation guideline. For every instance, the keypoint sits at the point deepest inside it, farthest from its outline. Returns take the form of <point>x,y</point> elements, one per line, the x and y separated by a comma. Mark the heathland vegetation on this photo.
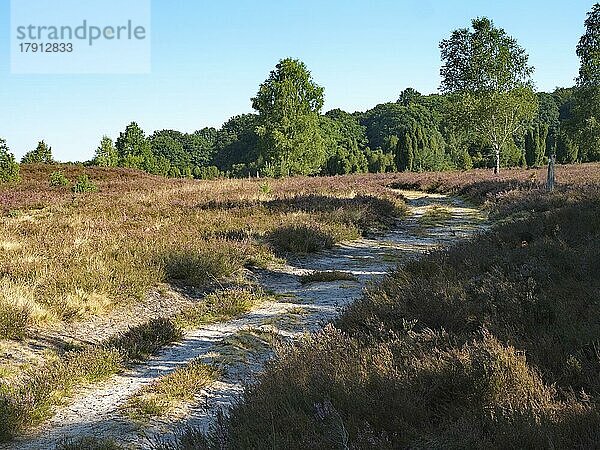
<point>490,343</point>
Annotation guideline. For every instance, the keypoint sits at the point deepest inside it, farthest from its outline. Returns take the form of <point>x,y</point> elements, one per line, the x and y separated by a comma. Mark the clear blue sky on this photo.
<point>208,58</point>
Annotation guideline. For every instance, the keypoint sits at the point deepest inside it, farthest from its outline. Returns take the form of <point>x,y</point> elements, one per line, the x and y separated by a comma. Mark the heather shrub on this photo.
<point>417,390</point>
<point>144,340</point>
<point>301,238</point>
<point>531,281</point>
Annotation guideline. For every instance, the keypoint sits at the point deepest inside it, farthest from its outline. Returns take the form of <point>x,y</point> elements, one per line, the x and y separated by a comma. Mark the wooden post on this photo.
<point>551,173</point>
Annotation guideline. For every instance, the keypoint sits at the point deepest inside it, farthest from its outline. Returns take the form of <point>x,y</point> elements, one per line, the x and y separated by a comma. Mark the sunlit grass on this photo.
<point>167,393</point>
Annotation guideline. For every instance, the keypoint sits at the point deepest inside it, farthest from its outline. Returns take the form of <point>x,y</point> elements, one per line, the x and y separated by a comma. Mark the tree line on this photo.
<point>487,114</point>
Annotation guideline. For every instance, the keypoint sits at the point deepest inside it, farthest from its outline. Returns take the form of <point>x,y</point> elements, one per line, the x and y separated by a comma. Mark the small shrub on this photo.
<point>145,340</point>
<point>83,185</point>
<point>327,276</point>
<point>265,188</point>
<point>15,213</point>
<point>14,320</point>
<point>300,239</point>
<point>58,179</point>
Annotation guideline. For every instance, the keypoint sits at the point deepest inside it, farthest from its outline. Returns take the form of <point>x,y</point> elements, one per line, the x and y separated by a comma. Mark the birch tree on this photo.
<point>488,77</point>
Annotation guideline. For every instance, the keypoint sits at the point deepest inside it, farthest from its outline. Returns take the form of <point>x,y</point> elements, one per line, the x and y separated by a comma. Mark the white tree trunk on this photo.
<point>497,167</point>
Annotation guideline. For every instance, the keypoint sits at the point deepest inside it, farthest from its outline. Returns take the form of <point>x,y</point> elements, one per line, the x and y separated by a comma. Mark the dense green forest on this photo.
<point>487,114</point>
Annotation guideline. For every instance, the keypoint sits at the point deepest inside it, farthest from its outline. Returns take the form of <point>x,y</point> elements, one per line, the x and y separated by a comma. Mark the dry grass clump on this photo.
<point>435,216</point>
<point>220,306</point>
<point>167,393</point>
<point>199,267</point>
<point>327,276</point>
<point>14,320</point>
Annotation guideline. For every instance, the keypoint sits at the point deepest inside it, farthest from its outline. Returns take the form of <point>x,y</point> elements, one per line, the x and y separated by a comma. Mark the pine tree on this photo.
<point>41,155</point>
<point>9,168</point>
<point>535,145</point>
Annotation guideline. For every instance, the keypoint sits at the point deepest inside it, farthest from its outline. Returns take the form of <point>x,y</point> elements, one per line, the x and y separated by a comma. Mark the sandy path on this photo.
<point>95,411</point>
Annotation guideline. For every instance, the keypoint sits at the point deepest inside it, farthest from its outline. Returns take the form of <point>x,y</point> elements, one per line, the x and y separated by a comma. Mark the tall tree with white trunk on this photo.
<point>489,78</point>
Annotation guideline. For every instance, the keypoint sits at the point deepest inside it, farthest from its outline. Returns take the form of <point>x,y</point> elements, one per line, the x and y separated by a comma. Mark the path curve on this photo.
<point>95,410</point>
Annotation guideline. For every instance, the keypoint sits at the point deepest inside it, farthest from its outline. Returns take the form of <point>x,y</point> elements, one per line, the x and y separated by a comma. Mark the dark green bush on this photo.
<point>83,185</point>
<point>58,179</point>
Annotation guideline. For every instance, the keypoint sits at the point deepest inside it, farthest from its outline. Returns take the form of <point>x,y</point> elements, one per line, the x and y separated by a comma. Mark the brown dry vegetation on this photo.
<point>65,257</point>
<point>492,343</point>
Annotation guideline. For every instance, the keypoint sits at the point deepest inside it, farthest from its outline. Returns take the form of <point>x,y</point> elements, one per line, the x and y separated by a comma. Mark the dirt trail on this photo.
<point>302,308</point>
